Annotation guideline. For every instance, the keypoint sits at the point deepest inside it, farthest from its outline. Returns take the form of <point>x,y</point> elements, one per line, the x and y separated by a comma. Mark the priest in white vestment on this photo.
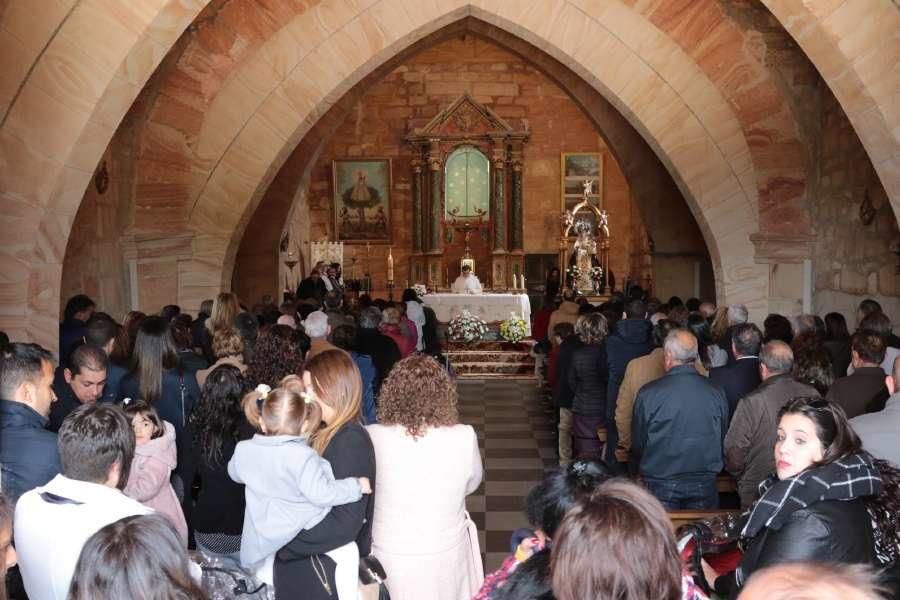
<point>467,282</point>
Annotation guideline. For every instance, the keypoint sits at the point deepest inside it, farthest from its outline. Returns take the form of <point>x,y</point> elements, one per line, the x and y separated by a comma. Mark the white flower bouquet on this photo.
<point>467,328</point>
<point>513,329</point>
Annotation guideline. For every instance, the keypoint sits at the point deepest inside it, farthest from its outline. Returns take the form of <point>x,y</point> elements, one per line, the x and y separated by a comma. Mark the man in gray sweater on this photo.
<point>750,441</point>
<point>878,431</point>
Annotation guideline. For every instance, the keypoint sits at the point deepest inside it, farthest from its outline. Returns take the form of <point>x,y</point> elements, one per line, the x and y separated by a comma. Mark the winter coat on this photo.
<point>148,480</point>
<point>859,393</point>
<point>367,374</point>
<point>350,454</point>
<point>28,453</point>
<point>737,379</point>
<point>639,373</point>
<point>831,531</point>
<point>678,426</point>
<point>588,378</point>
<point>384,352</point>
<point>630,339</point>
<point>563,393</point>
<point>288,488</point>
<point>754,427</point>
<point>234,361</point>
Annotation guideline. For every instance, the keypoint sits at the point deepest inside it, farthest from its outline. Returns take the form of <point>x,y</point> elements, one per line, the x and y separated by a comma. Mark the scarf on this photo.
<point>851,477</point>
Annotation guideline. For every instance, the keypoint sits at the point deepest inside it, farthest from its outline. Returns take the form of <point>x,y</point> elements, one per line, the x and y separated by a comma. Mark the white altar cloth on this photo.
<point>490,307</point>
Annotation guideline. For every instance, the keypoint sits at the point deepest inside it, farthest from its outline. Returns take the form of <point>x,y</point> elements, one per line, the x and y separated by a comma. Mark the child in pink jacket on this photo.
<point>154,459</point>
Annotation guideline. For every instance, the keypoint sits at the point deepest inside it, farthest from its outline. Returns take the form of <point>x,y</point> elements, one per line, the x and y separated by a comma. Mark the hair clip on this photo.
<point>308,397</point>
<point>263,390</point>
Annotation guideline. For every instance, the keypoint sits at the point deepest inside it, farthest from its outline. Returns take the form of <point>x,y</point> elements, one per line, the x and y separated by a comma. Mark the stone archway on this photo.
<point>682,133</point>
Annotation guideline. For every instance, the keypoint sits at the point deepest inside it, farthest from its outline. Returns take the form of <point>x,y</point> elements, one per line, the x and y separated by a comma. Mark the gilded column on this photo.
<point>498,210</point>
<point>434,228</point>
<point>516,241</point>
<point>418,220</point>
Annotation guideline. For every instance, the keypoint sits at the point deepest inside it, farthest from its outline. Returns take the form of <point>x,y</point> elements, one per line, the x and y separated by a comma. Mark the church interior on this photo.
<point>160,152</point>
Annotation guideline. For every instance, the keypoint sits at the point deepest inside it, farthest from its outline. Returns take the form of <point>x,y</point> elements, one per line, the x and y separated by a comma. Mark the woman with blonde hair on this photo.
<point>302,569</point>
<point>225,309</point>
<point>429,463</point>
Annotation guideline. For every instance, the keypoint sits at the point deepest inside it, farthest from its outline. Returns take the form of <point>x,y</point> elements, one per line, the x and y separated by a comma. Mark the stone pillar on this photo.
<point>498,194</point>
<point>435,165</point>
<point>417,193</point>
<point>516,238</point>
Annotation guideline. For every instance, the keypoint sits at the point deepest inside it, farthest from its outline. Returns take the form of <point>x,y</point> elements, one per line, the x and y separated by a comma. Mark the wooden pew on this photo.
<point>682,517</point>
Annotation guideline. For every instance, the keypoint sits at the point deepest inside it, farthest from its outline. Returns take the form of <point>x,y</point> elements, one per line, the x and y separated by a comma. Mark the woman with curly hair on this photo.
<point>217,425</point>
<point>428,463</point>
<point>828,500</point>
<point>277,354</point>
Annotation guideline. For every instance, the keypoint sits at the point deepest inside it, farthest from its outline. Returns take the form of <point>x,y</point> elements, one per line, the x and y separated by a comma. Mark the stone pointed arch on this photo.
<point>660,90</point>
<point>70,90</point>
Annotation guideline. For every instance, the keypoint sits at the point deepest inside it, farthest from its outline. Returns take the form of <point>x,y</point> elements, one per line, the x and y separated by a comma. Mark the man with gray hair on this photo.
<point>751,436</point>
<point>737,315</point>
<point>677,430</point>
<point>381,348</point>
<point>878,430</point>
<point>317,328</point>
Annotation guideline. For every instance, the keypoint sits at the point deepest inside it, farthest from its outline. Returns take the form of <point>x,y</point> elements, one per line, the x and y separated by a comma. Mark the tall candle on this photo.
<point>514,281</point>
<point>390,266</point>
<point>523,281</point>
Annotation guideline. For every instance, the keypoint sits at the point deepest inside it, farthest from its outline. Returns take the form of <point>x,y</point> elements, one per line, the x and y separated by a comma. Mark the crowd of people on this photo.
<point>297,440</point>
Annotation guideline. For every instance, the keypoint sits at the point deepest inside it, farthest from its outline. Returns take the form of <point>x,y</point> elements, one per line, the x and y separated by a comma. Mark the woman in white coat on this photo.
<point>427,464</point>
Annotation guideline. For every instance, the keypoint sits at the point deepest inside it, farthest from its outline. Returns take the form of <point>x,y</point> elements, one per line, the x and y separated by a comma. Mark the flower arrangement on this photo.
<point>596,273</point>
<point>467,328</point>
<point>420,289</point>
<point>513,329</point>
<point>574,272</point>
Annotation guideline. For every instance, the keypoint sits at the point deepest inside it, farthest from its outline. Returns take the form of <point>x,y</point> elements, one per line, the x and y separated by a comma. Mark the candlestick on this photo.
<point>514,281</point>
<point>523,283</point>
<point>390,265</point>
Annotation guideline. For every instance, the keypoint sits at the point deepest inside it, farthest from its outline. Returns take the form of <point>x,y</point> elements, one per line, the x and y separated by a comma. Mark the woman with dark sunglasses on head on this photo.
<point>828,501</point>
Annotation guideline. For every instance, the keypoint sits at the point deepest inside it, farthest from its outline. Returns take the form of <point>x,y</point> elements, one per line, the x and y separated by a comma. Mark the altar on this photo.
<point>490,307</point>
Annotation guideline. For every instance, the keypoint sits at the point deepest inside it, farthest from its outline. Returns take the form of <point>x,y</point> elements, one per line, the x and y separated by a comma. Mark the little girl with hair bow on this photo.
<point>288,486</point>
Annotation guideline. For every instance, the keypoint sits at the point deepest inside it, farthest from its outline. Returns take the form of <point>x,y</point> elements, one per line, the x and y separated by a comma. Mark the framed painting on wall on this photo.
<point>575,169</point>
<point>362,200</point>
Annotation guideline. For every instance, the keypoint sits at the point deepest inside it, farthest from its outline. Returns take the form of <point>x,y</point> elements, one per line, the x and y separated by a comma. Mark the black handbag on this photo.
<point>371,579</point>
<point>716,539</point>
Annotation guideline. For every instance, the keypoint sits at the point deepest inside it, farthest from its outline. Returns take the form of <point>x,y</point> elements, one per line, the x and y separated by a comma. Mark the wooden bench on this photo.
<point>682,517</point>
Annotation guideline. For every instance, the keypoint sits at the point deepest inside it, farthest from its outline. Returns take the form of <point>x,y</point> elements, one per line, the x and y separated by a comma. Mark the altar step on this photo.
<point>490,359</point>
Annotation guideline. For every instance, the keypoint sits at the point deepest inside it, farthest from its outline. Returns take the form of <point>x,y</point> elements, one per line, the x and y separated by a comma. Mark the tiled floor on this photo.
<point>517,440</point>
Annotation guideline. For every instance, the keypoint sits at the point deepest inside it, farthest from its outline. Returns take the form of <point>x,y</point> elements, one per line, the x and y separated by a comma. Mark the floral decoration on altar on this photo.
<point>467,328</point>
<point>420,289</point>
<point>513,329</point>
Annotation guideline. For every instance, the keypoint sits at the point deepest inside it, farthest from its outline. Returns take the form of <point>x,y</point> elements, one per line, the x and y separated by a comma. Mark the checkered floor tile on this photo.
<point>516,435</point>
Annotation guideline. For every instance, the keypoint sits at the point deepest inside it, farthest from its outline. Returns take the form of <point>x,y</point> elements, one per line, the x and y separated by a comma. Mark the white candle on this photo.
<point>523,281</point>
<point>390,266</point>
<point>514,281</point>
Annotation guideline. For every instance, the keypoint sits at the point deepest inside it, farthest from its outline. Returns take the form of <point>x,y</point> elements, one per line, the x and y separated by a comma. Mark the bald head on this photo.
<point>776,358</point>
<point>807,581</point>
<point>680,348</point>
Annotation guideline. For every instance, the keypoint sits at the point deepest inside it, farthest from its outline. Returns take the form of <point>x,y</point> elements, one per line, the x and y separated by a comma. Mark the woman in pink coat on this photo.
<point>427,464</point>
<point>151,468</point>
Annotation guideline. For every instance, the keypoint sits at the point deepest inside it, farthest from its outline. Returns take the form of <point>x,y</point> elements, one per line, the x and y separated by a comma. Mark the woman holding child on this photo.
<point>302,569</point>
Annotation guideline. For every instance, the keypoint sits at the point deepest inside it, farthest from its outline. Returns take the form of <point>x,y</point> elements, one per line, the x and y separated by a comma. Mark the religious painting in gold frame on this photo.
<point>362,200</point>
<point>575,168</point>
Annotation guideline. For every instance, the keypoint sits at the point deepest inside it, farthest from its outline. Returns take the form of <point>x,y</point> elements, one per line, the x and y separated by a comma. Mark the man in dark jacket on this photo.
<point>563,393</point>
<point>312,289</point>
<point>740,377</point>
<point>82,381</point>
<point>754,426</point>
<point>632,337</point>
<point>863,391</point>
<point>28,453</point>
<point>679,423</point>
<point>77,312</point>
<point>381,348</point>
